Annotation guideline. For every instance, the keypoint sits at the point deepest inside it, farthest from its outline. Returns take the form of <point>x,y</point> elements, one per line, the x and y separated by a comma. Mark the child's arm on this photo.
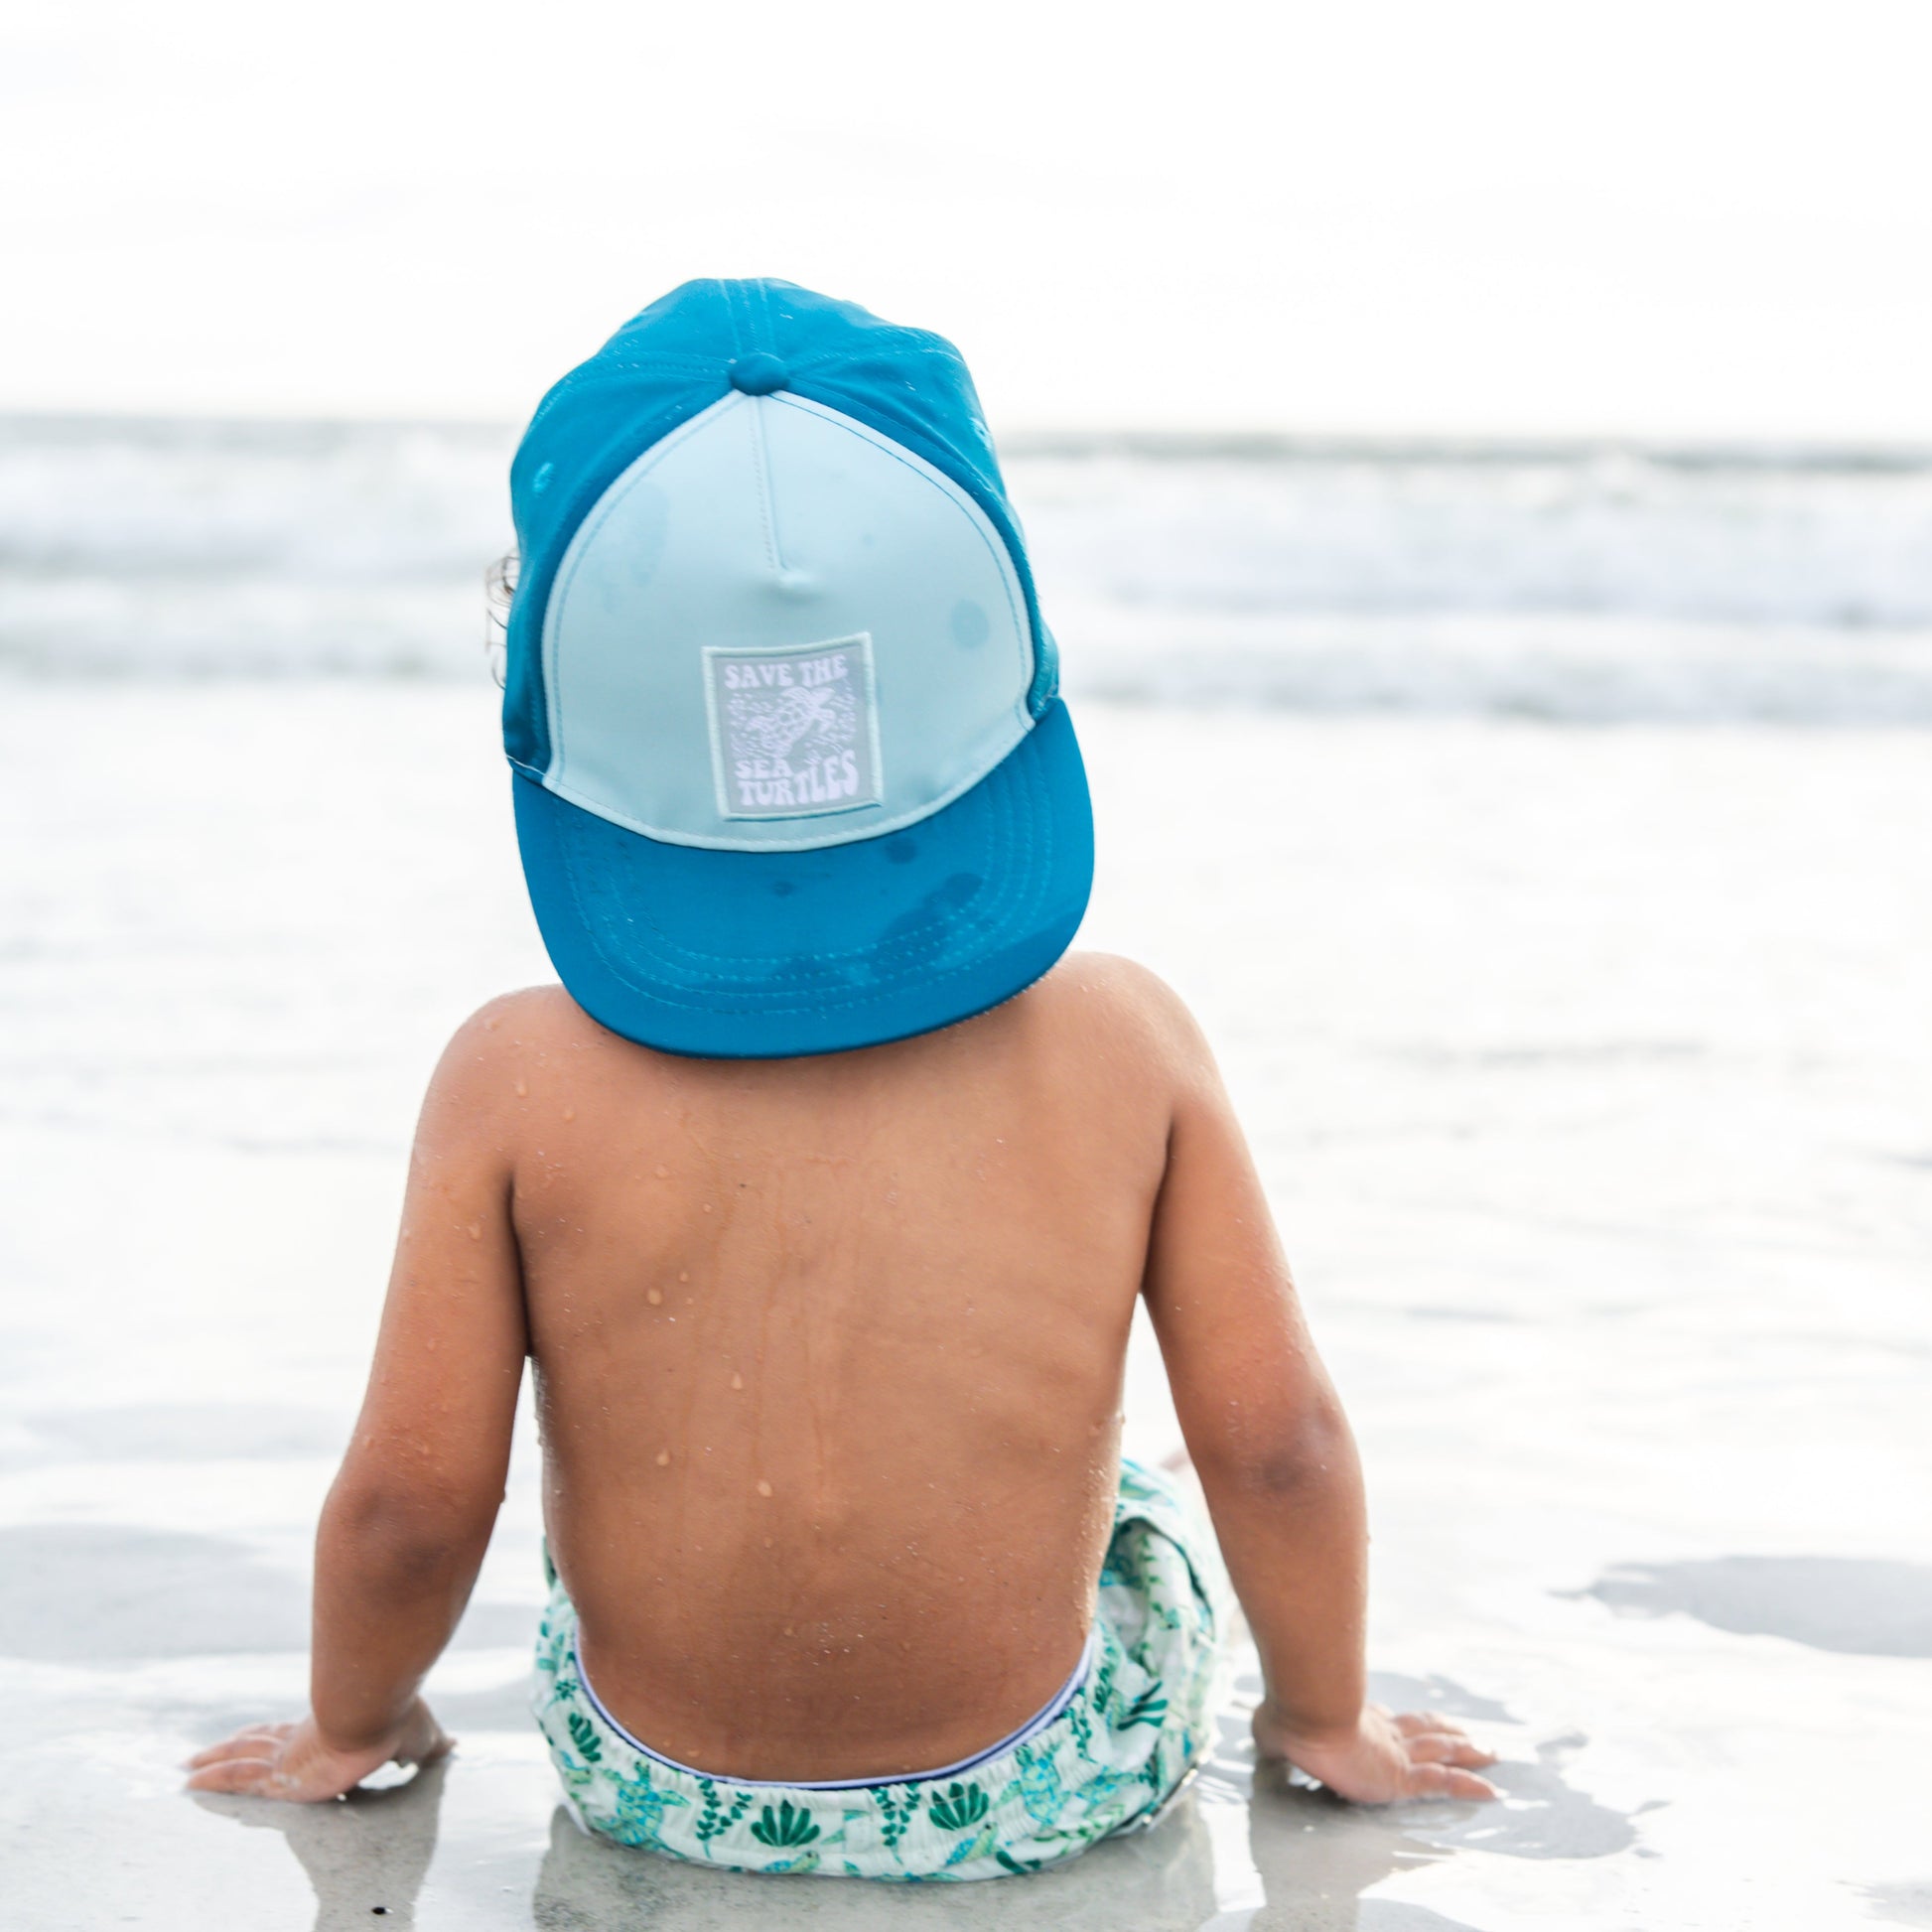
<point>1276,1458</point>
<point>406,1523</point>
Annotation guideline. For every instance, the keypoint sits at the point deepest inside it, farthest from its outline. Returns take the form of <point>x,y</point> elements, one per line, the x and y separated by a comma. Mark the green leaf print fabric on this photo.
<point>1136,1726</point>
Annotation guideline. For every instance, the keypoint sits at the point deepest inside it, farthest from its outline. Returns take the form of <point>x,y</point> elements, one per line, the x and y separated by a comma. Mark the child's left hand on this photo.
<point>293,1761</point>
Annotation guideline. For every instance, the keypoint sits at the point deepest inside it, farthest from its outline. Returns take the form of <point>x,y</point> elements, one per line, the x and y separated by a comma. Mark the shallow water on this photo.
<point>1588,1071</point>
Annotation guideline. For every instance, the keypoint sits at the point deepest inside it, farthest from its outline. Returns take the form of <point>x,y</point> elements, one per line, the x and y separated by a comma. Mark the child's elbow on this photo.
<point>411,1534</point>
<point>1284,1460</point>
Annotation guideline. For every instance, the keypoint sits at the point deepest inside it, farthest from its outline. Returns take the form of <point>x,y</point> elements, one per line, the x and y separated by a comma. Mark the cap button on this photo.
<point>758,374</point>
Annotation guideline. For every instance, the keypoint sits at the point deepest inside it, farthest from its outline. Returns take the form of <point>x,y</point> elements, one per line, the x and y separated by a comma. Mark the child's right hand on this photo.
<point>1418,1754</point>
<point>295,1762</point>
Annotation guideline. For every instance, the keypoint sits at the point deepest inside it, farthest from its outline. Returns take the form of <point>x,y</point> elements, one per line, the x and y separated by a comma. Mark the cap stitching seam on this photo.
<point>733,296</point>
<point>762,482</point>
<point>1003,562</point>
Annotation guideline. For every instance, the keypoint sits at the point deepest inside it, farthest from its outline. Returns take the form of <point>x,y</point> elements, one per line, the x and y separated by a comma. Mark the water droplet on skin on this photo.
<point>787,1629</point>
<point>662,1171</point>
<point>570,1112</point>
<point>707,1208</point>
<point>738,1381</point>
<point>664,1458</point>
<point>765,1488</point>
<point>655,1297</point>
<point>522,1089</point>
<point>476,1230</point>
<point>489,1025</point>
<point>684,1274</point>
<point>768,1543</point>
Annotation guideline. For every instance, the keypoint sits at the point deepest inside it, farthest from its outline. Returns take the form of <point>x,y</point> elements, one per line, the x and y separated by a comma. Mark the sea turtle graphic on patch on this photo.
<point>794,730</point>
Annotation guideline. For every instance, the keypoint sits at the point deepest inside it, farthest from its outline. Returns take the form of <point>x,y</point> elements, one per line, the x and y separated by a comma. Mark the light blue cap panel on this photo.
<point>777,610</point>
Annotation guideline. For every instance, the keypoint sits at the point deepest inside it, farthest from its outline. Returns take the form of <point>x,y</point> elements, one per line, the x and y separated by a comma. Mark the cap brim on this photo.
<point>766,955</point>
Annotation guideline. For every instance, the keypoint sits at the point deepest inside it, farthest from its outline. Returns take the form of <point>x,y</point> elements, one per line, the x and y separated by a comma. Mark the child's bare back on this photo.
<point>829,1354</point>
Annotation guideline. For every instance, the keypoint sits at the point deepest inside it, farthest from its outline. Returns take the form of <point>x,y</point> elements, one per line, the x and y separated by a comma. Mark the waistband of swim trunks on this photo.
<point>1028,1732</point>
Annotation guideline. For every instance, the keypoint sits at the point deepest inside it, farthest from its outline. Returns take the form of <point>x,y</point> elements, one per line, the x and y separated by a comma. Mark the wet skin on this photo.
<point>828,1357</point>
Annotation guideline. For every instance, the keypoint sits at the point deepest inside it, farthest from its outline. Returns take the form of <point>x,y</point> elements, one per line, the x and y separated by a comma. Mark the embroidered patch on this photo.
<point>794,730</point>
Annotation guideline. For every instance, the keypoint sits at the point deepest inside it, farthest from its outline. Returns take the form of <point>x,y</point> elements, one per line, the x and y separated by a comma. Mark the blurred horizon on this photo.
<point>1151,440</point>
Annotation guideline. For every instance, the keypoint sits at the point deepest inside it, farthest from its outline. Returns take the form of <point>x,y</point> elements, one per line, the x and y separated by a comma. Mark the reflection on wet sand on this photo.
<point>1863,1608</point>
<point>1899,1904</point>
<point>108,1592</point>
<point>1317,1857</point>
<point>366,1854</point>
<point>82,1592</point>
<point>1541,1816</point>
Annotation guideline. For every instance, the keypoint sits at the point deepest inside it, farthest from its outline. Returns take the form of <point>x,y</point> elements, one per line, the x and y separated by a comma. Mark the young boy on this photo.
<point>820,1195</point>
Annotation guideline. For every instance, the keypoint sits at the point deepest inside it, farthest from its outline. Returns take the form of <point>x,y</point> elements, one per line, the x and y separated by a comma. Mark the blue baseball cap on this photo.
<point>790,767</point>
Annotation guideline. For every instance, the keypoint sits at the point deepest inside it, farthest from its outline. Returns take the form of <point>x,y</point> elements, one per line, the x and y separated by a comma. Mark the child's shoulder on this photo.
<point>1112,977</point>
<point>509,1038</point>
<point>1120,998</point>
<point>531,1019</point>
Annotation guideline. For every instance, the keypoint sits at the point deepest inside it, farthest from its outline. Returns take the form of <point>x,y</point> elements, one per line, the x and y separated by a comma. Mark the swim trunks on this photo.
<point>1104,1757</point>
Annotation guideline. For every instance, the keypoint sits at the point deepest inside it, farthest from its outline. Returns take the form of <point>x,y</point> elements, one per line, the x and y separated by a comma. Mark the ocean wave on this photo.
<point>1565,583</point>
<point>1591,532</point>
<point>1575,670</point>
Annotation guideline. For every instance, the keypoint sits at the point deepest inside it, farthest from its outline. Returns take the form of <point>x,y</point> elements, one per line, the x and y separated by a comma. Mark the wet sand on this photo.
<point>1588,1073</point>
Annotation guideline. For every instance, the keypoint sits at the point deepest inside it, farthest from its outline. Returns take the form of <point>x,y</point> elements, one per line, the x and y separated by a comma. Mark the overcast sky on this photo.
<point>1694,219</point>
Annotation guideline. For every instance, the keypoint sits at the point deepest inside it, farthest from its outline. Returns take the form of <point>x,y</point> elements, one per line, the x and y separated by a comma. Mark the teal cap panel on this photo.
<point>777,629</point>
